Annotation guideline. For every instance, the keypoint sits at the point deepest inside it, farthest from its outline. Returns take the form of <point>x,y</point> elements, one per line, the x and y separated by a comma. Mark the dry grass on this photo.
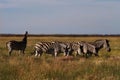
<point>18,67</point>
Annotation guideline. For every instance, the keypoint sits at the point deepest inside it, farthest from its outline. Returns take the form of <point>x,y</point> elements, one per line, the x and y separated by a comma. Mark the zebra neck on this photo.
<point>25,38</point>
<point>99,45</point>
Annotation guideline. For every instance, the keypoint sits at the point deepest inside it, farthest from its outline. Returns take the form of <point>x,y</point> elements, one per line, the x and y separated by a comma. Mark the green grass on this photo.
<point>46,67</point>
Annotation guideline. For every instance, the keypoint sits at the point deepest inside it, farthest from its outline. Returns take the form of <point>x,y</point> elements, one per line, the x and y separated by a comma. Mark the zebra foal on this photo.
<point>17,45</point>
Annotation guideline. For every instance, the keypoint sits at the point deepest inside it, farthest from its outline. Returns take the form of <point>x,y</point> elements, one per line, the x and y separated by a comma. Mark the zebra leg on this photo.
<point>9,48</point>
<point>39,55</point>
<point>55,53</point>
<point>67,54</point>
<point>75,53</point>
<point>10,51</point>
<point>64,53</point>
<point>96,54</point>
<point>85,51</point>
<point>36,53</point>
<point>19,52</point>
<point>23,51</point>
<point>86,55</point>
<point>79,52</point>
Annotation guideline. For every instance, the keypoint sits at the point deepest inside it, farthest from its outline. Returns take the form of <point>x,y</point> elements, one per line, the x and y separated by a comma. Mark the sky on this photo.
<point>60,16</point>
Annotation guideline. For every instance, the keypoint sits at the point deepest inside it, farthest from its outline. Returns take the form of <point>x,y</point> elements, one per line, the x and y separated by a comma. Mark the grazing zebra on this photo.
<point>17,45</point>
<point>50,47</point>
<point>41,47</point>
<point>94,47</point>
<point>74,48</point>
<point>65,47</point>
<point>102,43</point>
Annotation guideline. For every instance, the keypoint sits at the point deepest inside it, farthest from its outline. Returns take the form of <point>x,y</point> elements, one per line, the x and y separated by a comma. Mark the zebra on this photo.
<point>43,47</point>
<point>65,47</point>
<point>74,48</point>
<point>17,45</point>
<point>94,47</point>
<point>101,43</point>
<point>53,48</point>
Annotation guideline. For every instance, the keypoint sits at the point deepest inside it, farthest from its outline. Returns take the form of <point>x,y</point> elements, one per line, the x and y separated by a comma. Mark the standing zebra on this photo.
<point>50,47</point>
<point>17,45</point>
<point>94,47</point>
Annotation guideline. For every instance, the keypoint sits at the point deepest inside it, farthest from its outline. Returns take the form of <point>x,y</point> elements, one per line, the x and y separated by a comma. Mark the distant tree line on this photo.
<point>61,35</point>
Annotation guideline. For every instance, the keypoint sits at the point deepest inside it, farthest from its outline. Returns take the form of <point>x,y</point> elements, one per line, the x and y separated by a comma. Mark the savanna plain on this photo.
<point>46,67</point>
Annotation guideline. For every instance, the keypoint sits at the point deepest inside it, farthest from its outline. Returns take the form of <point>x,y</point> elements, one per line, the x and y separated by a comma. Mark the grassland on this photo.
<point>28,67</point>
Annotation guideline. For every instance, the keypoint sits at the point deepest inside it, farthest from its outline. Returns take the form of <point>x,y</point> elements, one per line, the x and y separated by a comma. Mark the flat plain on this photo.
<point>46,67</point>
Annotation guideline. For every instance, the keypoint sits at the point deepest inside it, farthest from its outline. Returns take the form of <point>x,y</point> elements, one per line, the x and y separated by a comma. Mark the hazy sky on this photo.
<point>60,16</point>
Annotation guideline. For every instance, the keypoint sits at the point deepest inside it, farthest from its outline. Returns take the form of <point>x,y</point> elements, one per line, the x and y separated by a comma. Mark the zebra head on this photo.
<point>103,43</point>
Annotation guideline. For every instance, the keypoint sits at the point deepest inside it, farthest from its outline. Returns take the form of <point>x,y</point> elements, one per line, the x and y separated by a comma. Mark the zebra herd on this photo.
<point>57,47</point>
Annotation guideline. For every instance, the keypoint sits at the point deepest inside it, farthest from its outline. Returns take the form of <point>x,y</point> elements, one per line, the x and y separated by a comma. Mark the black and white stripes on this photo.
<point>56,47</point>
<point>87,48</point>
<point>17,45</point>
<point>51,47</point>
<point>43,47</point>
<point>94,47</point>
